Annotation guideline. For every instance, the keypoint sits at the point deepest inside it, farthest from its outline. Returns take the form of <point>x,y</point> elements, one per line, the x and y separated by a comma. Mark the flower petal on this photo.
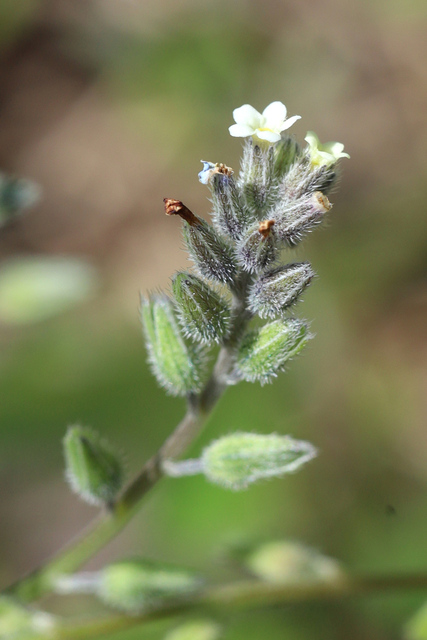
<point>312,139</point>
<point>275,114</point>
<point>289,122</point>
<point>240,131</point>
<point>266,134</point>
<point>248,116</point>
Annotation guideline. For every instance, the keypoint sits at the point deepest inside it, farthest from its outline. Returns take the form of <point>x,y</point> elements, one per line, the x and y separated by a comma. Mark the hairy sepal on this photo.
<point>203,313</point>
<point>276,290</point>
<point>93,469</point>
<point>237,460</point>
<point>178,366</point>
<point>264,352</point>
<point>212,256</point>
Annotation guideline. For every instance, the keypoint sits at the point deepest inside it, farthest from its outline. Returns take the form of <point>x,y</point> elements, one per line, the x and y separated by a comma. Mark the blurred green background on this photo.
<point>109,105</point>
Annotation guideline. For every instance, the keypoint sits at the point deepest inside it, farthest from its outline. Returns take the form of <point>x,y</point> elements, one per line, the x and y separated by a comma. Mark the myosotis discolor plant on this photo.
<point>240,297</point>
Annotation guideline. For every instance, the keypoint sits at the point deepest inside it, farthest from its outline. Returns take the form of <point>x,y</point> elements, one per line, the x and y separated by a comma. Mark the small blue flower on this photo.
<point>206,173</point>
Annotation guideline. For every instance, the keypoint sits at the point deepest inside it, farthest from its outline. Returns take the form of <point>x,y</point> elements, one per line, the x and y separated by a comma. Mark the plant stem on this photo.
<point>109,524</point>
<point>245,595</point>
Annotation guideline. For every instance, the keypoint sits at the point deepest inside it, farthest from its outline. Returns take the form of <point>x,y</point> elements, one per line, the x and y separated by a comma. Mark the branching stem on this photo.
<point>109,524</point>
<point>244,595</point>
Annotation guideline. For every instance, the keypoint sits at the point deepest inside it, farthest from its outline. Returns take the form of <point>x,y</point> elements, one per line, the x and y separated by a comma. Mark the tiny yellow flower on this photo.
<point>324,154</point>
<point>267,125</point>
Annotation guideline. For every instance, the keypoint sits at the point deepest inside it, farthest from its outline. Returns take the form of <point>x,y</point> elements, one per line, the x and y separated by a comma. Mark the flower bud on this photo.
<point>230,216</point>
<point>304,178</point>
<point>204,315</point>
<point>295,219</point>
<point>283,562</point>
<point>278,289</point>
<point>211,255</point>
<point>92,469</point>
<point>237,460</point>
<point>176,365</point>
<point>286,152</point>
<point>258,248</point>
<point>257,178</point>
<point>133,585</point>
<point>196,630</point>
<point>264,352</point>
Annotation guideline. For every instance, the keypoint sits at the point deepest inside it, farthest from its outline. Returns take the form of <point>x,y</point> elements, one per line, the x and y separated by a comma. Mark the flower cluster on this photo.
<point>279,195</point>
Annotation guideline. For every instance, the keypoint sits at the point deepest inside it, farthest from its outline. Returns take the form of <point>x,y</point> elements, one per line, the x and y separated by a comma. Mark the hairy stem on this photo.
<point>244,595</point>
<point>109,524</point>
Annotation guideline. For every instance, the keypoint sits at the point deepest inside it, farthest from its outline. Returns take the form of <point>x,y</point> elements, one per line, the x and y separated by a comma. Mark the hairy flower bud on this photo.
<point>92,469</point>
<point>176,365</point>
<point>304,178</point>
<point>284,562</point>
<point>278,289</point>
<point>257,179</point>
<point>294,219</point>
<point>258,248</point>
<point>204,315</point>
<point>286,153</point>
<point>264,352</point>
<point>237,460</point>
<point>132,585</point>
<point>229,215</point>
<point>211,255</point>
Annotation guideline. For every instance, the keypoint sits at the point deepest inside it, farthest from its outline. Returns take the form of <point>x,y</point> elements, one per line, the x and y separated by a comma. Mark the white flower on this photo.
<point>324,154</point>
<point>267,125</point>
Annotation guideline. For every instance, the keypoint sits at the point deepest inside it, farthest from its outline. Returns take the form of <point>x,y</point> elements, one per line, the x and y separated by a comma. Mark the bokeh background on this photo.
<point>109,106</point>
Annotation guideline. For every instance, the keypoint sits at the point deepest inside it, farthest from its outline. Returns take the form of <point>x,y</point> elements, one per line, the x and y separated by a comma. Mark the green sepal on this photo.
<point>235,461</point>
<point>211,255</point>
<point>264,352</point>
<point>204,315</point>
<point>286,153</point>
<point>256,252</point>
<point>230,215</point>
<point>276,290</point>
<point>303,179</point>
<point>295,218</point>
<point>134,585</point>
<point>93,470</point>
<point>257,179</point>
<point>177,366</point>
